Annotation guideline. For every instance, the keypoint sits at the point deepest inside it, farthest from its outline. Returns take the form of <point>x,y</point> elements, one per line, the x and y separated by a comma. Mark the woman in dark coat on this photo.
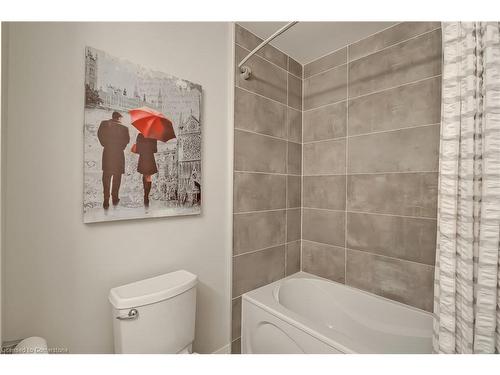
<point>146,148</point>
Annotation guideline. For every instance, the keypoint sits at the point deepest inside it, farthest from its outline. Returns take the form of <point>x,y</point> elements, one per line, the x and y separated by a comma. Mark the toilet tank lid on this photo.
<point>155,289</point>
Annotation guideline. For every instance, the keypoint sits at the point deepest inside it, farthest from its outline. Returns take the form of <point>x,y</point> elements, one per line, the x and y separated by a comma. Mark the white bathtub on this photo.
<point>307,314</point>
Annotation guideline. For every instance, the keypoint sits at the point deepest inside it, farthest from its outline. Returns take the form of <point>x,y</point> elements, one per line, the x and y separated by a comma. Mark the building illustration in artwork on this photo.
<point>90,69</point>
<point>114,85</point>
<point>189,151</point>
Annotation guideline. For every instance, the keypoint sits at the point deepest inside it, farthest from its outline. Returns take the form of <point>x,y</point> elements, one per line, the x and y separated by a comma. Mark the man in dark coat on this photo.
<point>114,137</point>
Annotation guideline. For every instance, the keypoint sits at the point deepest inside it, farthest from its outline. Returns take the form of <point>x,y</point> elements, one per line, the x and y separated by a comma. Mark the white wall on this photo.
<point>58,271</point>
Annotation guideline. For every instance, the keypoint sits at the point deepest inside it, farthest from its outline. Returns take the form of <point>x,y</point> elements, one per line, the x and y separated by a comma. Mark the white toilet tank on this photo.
<point>155,315</point>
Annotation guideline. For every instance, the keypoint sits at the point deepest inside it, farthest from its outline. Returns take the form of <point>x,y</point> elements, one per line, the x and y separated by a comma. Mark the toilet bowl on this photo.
<point>31,345</point>
<point>155,315</point>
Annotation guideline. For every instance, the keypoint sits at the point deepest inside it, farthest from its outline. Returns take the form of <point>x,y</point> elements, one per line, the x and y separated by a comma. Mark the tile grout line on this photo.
<point>265,97</point>
<point>356,41</point>
<point>374,92</point>
<point>269,173</point>
<point>325,105</point>
<point>232,342</point>
<point>340,247</point>
<point>390,257</point>
<point>259,250</point>
<point>265,135</point>
<point>327,70</point>
<point>370,54</point>
<point>261,57</point>
<point>394,130</point>
<point>371,213</point>
<point>368,252</point>
<point>286,168</point>
<point>321,57</point>
<point>371,133</point>
<point>331,52</point>
<point>266,60</point>
<point>366,173</point>
<point>345,166</point>
<point>376,32</point>
<point>396,86</point>
<point>234,85</point>
<point>363,134</point>
<point>367,55</point>
<point>270,44</point>
<point>325,140</point>
<point>336,50</point>
<point>302,170</point>
<point>395,44</point>
<point>262,211</point>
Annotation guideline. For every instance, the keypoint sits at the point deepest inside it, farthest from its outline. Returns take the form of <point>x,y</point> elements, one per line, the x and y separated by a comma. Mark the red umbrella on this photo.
<point>152,124</point>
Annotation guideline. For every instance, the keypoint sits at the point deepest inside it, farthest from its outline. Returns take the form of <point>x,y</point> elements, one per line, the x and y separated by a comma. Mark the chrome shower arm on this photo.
<point>245,70</point>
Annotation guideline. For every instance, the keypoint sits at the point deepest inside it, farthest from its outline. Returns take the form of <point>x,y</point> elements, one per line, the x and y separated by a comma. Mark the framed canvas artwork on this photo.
<point>142,142</point>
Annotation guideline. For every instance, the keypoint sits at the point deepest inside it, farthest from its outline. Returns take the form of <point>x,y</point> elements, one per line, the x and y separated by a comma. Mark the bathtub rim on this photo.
<point>266,298</point>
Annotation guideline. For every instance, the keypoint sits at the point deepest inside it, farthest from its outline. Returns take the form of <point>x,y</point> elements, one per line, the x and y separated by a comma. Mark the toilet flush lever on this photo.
<point>132,315</point>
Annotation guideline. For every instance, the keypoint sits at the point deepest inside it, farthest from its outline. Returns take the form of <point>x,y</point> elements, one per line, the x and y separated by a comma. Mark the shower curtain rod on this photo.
<point>245,70</point>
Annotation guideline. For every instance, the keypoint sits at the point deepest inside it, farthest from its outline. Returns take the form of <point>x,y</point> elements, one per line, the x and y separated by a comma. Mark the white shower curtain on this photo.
<point>467,280</point>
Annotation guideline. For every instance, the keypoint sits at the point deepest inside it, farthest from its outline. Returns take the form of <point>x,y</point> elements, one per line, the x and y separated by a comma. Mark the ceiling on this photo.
<point>306,41</point>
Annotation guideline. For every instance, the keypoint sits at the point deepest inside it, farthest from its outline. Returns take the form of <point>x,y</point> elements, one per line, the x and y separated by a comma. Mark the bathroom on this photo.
<point>336,186</point>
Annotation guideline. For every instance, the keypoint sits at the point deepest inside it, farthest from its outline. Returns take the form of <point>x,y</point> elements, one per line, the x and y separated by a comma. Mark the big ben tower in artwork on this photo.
<point>90,69</point>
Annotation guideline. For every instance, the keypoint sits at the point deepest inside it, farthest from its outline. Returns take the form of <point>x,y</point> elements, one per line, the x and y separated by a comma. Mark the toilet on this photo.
<point>31,345</point>
<point>155,315</point>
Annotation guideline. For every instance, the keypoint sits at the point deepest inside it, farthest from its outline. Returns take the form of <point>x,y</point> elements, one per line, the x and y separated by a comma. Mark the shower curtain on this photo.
<point>466,290</point>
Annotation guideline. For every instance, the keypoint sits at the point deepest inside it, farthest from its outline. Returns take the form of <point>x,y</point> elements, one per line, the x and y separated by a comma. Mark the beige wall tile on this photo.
<point>294,92</point>
<point>292,257</point>
<point>267,79</point>
<point>294,67</point>
<point>399,237</point>
<point>258,114</point>
<point>236,346</point>
<point>293,224</point>
<point>326,157</point>
<point>324,192</point>
<point>325,123</point>
<point>325,88</point>
<point>399,280</point>
<point>294,125</point>
<point>259,153</point>
<point>329,61</point>
<point>248,40</point>
<point>324,260</point>
<point>258,191</point>
<point>407,150</point>
<point>323,226</point>
<point>385,67</point>
<point>410,194</point>
<point>257,230</point>
<point>236,318</point>
<point>409,61</point>
<point>294,158</point>
<point>253,270</point>
<point>405,106</point>
<point>293,191</point>
<point>388,37</point>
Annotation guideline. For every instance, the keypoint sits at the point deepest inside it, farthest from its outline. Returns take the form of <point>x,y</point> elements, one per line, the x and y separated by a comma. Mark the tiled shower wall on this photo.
<point>362,165</point>
<point>370,162</point>
<point>267,171</point>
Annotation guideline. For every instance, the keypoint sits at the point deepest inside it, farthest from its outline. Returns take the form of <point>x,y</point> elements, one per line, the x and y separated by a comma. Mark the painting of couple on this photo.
<point>114,137</point>
<point>142,142</point>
